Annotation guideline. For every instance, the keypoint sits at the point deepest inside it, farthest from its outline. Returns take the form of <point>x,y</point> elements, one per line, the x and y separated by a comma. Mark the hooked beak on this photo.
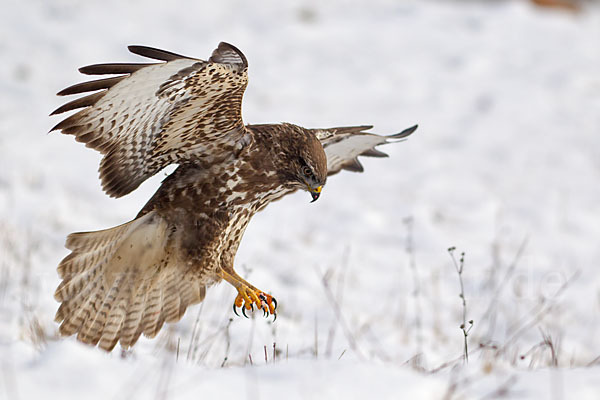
<point>315,193</point>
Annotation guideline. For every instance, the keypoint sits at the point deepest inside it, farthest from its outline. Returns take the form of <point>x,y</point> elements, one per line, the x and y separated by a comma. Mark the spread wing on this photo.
<point>151,115</point>
<point>343,146</point>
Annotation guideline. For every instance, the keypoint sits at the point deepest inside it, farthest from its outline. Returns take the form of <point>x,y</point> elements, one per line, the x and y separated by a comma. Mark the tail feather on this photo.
<point>151,319</point>
<point>73,286</point>
<point>186,295</point>
<point>90,309</point>
<point>76,262</point>
<point>134,316</point>
<point>75,312</point>
<point>90,249</point>
<point>91,241</point>
<point>170,305</point>
<point>116,317</point>
<point>121,282</point>
<point>95,323</point>
<point>70,305</point>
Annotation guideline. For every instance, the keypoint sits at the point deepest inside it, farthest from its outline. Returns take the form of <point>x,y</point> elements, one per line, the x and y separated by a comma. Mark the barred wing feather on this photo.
<point>343,146</point>
<point>152,115</point>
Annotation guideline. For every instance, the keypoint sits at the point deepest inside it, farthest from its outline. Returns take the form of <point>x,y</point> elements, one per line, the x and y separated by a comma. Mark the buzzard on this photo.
<point>121,282</point>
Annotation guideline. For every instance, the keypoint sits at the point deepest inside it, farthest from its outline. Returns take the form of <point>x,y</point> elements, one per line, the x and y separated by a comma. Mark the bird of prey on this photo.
<point>121,282</point>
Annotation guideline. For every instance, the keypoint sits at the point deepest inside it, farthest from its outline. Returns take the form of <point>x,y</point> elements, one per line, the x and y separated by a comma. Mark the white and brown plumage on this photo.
<point>121,282</point>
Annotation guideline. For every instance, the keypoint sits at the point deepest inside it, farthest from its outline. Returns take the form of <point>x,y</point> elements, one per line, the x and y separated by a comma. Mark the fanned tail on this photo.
<point>121,282</point>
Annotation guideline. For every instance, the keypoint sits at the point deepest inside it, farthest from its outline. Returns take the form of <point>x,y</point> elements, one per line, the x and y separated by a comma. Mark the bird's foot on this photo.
<point>247,297</point>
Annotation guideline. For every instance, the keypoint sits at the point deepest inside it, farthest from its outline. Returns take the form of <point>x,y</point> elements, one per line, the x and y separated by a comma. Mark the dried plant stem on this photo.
<point>316,346</point>
<point>196,332</point>
<point>412,263</point>
<point>490,313</point>
<point>544,307</point>
<point>463,327</point>
<point>340,318</point>
<point>227,342</point>
<point>502,391</point>
<point>340,299</point>
<point>595,361</point>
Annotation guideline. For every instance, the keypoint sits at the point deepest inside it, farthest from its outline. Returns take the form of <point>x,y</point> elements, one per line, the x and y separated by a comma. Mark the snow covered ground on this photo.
<point>505,166</point>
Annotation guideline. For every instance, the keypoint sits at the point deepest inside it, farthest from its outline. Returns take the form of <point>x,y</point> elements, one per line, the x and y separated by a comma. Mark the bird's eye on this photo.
<point>306,170</point>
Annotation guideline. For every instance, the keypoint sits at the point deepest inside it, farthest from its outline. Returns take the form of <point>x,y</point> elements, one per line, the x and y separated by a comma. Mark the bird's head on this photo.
<point>306,162</point>
<point>311,167</point>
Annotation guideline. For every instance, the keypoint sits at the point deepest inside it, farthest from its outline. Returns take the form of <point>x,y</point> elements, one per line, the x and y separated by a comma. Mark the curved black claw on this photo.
<point>265,307</point>
<point>263,298</point>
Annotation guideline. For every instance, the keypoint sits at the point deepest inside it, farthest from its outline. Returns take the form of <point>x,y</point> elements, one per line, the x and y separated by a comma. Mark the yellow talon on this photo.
<point>247,297</point>
<point>239,300</point>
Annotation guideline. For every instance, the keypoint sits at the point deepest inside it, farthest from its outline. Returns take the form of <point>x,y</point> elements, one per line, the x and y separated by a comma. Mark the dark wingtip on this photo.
<point>154,53</point>
<point>58,126</point>
<point>404,133</point>
<point>112,69</point>
<point>81,102</point>
<point>135,48</point>
<point>374,153</point>
<point>353,165</point>
<point>91,86</point>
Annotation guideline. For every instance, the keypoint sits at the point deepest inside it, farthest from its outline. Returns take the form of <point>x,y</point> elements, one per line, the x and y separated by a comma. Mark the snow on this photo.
<point>505,166</point>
